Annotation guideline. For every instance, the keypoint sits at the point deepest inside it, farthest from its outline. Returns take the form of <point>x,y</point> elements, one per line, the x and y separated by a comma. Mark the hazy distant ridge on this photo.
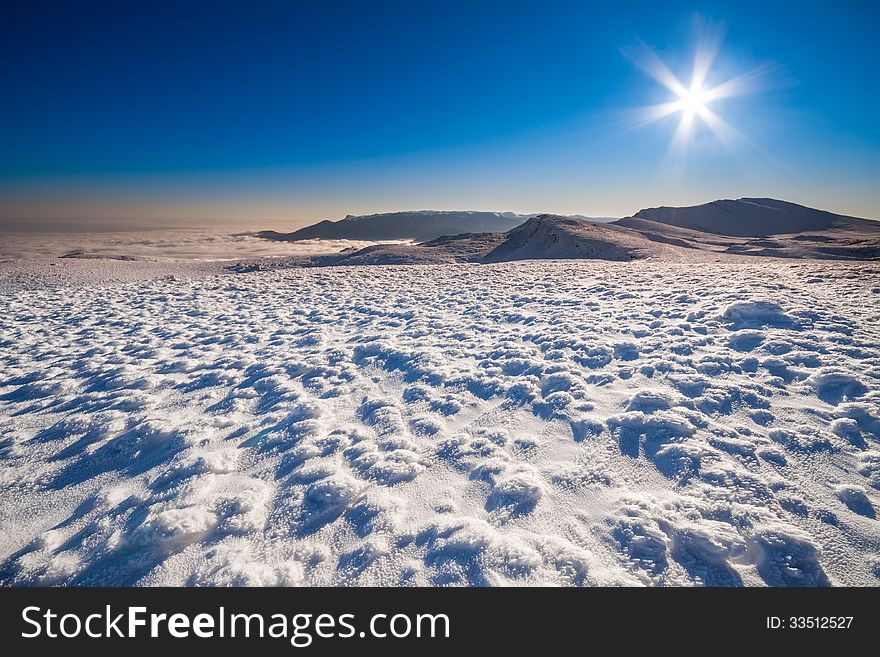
<point>418,225</point>
<point>751,217</point>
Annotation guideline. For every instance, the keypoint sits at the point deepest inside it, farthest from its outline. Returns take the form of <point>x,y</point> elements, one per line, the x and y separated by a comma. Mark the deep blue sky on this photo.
<point>302,110</point>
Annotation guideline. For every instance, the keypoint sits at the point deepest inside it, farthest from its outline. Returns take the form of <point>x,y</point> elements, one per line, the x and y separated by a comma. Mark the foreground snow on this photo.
<point>576,422</point>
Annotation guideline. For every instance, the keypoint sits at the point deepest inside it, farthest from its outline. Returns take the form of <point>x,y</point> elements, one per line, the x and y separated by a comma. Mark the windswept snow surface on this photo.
<point>552,422</point>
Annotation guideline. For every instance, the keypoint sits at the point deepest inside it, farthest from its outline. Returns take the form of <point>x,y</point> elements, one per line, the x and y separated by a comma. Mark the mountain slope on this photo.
<point>745,227</point>
<point>558,237</point>
<point>751,217</point>
<point>544,237</point>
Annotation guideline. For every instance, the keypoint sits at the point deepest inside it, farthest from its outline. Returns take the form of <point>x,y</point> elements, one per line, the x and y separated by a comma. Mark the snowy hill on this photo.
<point>546,236</point>
<point>751,217</point>
<point>558,237</point>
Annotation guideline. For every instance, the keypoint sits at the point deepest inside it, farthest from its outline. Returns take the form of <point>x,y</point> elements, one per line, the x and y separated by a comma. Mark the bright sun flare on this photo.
<point>692,102</point>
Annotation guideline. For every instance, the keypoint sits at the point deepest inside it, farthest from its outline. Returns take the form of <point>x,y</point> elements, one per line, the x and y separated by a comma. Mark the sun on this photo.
<point>692,100</point>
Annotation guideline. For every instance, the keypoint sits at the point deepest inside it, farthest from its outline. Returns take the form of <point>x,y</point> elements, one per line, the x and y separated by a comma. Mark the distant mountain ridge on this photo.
<point>742,227</point>
<point>749,217</point>
<point>418,225</point>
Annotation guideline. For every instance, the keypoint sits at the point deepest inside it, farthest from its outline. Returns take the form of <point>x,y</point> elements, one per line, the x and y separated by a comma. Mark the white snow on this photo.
<point>554,422</point>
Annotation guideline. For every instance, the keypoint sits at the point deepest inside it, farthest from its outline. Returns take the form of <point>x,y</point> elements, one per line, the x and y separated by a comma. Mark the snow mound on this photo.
<point>856,499</point>
<point>743,314</point>
<point>788,557</point>
<point>834,384</point>
<point>517,493</point>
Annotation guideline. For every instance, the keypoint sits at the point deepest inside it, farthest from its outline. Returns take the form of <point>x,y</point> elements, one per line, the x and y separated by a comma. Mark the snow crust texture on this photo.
<point>571,423</point>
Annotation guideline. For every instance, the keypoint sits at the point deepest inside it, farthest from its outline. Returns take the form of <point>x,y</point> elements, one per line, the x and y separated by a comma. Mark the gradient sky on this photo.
<point>281,113</point>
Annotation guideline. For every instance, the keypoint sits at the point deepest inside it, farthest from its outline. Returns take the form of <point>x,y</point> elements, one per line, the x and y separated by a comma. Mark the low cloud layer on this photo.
<point>189,244</point>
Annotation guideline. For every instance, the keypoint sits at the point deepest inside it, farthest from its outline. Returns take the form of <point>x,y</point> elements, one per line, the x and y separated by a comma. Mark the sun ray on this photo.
<point>659,112</point>
<point>682,137</point>
<point>741,84</point>
<point>709,39</point>
<point>725,132</point>
<point>651,64</point>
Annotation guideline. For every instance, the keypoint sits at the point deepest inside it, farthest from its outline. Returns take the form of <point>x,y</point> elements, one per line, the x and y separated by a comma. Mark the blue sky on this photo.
<point>266,112</point>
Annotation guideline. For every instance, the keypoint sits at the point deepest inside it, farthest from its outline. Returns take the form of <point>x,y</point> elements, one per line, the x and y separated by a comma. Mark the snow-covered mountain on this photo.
<point>417,225</point>
<point>746,226</point>
<point>558,237</point>
<point>683,234</point>
<point>546,236</point>
<point>750,217</point>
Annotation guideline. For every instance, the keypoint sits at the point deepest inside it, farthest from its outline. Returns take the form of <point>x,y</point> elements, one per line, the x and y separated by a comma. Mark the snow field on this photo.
<point>568,423</point>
